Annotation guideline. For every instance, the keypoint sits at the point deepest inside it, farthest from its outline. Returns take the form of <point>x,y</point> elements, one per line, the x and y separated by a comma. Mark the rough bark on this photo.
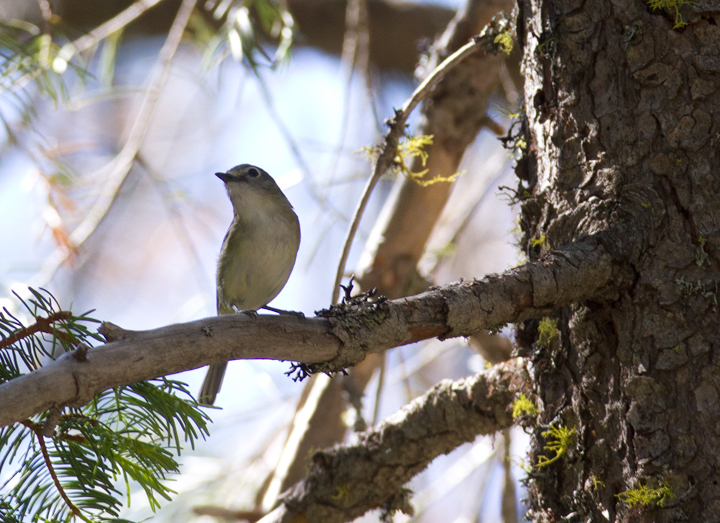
<point>623,126</point>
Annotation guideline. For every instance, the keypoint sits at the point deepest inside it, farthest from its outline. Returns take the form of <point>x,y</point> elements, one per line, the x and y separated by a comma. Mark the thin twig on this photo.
<point>392,139</point>
<point>47,14</point>
<point>118,168</point>
<point>37,429</point>
<point>51,420</point>
<point>40,325</point>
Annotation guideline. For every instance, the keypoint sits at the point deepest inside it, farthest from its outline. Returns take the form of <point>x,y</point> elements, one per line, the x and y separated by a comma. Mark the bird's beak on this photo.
<point>223,176</point>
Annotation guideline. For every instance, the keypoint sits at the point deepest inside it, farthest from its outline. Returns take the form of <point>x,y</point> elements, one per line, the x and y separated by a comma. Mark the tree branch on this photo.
<point>42,324</point>
<point>37,430</point>
<point>577,272</point>
<point>347,481</point>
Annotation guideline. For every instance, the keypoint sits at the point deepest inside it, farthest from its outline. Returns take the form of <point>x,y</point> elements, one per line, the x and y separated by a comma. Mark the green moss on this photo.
<point>408,148</point>
<point>538,242</point>
<point>342,493</point>
<point>645,496</point>
<point>523,406</point>
<point>520,463</point>
<point>701,257</point>
<point>597,484</point>
<point>504,42</point>
<point>547,331</point>
<point>672,4</point>
<point>559,439</point>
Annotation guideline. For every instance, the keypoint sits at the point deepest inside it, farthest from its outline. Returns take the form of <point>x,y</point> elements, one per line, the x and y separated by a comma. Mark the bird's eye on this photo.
<point>253,172</point>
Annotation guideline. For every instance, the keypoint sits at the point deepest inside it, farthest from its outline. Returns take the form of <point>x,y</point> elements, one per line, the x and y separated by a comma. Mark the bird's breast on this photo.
<point>256,259</point>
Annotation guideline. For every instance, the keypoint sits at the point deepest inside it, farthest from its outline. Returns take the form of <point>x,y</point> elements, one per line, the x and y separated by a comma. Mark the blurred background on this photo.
<point>108,200</point>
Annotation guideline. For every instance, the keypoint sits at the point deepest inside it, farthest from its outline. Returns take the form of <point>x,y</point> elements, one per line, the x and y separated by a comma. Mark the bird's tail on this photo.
<point>211,385</point>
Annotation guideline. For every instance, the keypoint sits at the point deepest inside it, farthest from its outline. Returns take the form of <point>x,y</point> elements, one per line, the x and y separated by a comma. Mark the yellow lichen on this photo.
<point>559,440</point>
<point>547,331</point>
<point>520,463</point>
<point>648,497</point>
<point>523,406</point>
<point>342,493</point>
<point>538,242</point>
<point>408,148</point>
<point>504,42</point>
<point>671,4</point>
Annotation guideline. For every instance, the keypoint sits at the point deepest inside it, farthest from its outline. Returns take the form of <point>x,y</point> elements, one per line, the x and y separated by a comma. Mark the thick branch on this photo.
<point>578,272</point>
<point>347,481</point>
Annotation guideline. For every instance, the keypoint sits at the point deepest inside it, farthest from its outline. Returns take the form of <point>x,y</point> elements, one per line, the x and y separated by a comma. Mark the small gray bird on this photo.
<point>258,252</point>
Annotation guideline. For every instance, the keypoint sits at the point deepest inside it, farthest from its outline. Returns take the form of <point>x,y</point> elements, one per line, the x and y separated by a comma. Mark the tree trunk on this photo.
<point>623,126</point>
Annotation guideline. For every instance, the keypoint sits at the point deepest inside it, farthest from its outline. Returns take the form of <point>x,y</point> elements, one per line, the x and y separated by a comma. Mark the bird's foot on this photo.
<point>247,312</point>
<point>283,312</point>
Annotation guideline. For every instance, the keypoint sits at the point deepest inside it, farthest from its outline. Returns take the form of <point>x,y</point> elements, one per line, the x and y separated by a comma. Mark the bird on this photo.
<point>257,254</point>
